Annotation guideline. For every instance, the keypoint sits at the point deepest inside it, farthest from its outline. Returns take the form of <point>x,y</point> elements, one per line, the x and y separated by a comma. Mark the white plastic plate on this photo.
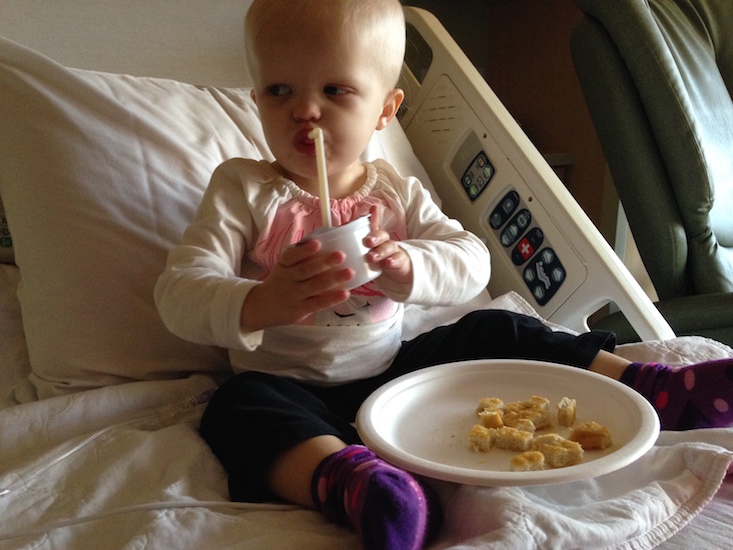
<point>420,421</point>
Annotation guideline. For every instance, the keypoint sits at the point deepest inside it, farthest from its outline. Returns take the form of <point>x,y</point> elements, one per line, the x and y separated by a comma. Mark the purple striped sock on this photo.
<point>386,505</point>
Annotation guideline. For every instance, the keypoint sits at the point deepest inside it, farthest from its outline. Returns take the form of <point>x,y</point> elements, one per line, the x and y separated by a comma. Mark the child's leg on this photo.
<point>695,396</point>
<point>388,508</point>
<point>276,439</point>
<point>253,418</point>
<point>386,505</point>
<point>291,475</point>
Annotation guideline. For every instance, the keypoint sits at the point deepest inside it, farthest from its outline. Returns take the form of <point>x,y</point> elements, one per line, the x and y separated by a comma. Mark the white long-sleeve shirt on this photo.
<point>250,212</point>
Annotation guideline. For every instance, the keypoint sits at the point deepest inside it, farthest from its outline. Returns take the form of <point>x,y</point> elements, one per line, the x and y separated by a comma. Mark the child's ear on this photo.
<point>253,95</point>
<point>391,106</point>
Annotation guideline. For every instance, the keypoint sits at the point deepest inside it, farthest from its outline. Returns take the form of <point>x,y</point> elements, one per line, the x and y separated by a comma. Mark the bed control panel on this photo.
<point>491,177</point>
<point>476,174</point>
<point>525,244</point>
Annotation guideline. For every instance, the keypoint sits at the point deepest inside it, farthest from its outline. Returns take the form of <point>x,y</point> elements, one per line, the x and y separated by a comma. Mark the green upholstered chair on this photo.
<point>657,76</point>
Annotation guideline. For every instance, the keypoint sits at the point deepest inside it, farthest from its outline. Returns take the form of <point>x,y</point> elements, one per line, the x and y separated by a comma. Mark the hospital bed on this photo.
<point>113,116</point>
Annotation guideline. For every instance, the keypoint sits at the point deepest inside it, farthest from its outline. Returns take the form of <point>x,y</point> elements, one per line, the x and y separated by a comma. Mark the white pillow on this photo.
<point>99,175</point>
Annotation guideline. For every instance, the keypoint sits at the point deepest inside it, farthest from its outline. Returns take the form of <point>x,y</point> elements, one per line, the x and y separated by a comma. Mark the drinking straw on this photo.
<point>317,135</point>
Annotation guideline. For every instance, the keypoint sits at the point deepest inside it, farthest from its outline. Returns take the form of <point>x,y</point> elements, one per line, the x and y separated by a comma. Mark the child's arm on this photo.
<point>204,297</point>
<point>437,261</point>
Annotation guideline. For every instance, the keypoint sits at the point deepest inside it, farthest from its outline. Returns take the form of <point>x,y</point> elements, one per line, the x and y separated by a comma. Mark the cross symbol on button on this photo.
<point>525,248</point>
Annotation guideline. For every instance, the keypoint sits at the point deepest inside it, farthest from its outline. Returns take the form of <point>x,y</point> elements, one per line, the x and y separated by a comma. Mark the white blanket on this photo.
<point>124,467</point>
<point>639,506</point>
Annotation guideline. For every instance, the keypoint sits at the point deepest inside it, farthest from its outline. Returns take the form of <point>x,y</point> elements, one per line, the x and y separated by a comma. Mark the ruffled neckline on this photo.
<point>306,198</point>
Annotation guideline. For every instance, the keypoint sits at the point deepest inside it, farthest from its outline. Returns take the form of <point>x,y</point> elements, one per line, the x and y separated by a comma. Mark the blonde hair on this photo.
<point>381,23</point>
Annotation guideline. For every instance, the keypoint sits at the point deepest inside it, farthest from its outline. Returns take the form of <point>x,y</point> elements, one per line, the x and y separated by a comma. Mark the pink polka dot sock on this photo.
<point>388,508</point>
<point>694,396</point>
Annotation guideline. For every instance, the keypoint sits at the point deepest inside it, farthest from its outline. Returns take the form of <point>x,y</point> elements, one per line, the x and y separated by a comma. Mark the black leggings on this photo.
<point>253,417</point>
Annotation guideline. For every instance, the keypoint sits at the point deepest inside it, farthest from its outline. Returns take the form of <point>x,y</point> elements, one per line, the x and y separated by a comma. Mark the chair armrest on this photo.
<point>709,315</point>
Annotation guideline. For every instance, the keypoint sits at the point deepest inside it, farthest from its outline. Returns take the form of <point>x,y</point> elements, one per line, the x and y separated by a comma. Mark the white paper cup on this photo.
<point>348,238</point>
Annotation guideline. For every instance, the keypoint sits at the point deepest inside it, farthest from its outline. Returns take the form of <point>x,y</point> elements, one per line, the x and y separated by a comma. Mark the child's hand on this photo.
<point>385,253</point>
<point>302,283</point>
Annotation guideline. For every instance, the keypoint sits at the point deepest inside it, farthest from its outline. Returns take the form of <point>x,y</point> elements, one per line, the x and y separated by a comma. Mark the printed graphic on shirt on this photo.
<point>357,310</point>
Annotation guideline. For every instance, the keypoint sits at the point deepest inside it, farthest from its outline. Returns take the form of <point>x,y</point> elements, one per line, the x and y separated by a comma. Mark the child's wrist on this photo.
<point>250,318</point>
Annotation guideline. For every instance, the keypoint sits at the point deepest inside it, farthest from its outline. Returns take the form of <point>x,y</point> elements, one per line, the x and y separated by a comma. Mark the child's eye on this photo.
<point>278,90</point>
<point>334,90</point>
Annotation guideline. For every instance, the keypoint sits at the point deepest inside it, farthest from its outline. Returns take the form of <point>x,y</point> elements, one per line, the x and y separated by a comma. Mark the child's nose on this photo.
<point>306,109</point>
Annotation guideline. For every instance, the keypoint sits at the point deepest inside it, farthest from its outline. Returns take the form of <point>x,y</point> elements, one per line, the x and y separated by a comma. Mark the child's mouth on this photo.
<point>303,144</point>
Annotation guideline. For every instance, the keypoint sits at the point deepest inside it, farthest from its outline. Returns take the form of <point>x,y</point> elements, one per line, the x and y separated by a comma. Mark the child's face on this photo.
<point>305,79</point>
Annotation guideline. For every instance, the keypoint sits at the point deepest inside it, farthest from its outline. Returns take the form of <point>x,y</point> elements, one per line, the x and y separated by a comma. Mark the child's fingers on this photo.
<point>394,262</point>
<point>376,235</point>
<point>375,218</point>
<point>325,301</point>
<point>305,261</point>
<point>397,263</point>
<point>318,292</point>
<point>280,300</point>
<point>325,282</point>
<point>382,250</point>
<point>299,252</point>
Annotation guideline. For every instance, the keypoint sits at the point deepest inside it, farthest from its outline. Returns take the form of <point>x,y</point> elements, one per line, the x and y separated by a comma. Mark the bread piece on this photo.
<point>528,419</point>
<point>514,406</point>
<point>491,419</point>
<point>528,461</point>
<point>535,403</point>
<point>539,403</point>
<point>547,439</point>
<point>541,418</point>
<point>558,451</point>
<point>566,410</point>
<point>490,404</point>
<point>518,420</point>
<point>481,439</point>
<point>513,439</point>
<point>560,456</point>
<point>591,435</point>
